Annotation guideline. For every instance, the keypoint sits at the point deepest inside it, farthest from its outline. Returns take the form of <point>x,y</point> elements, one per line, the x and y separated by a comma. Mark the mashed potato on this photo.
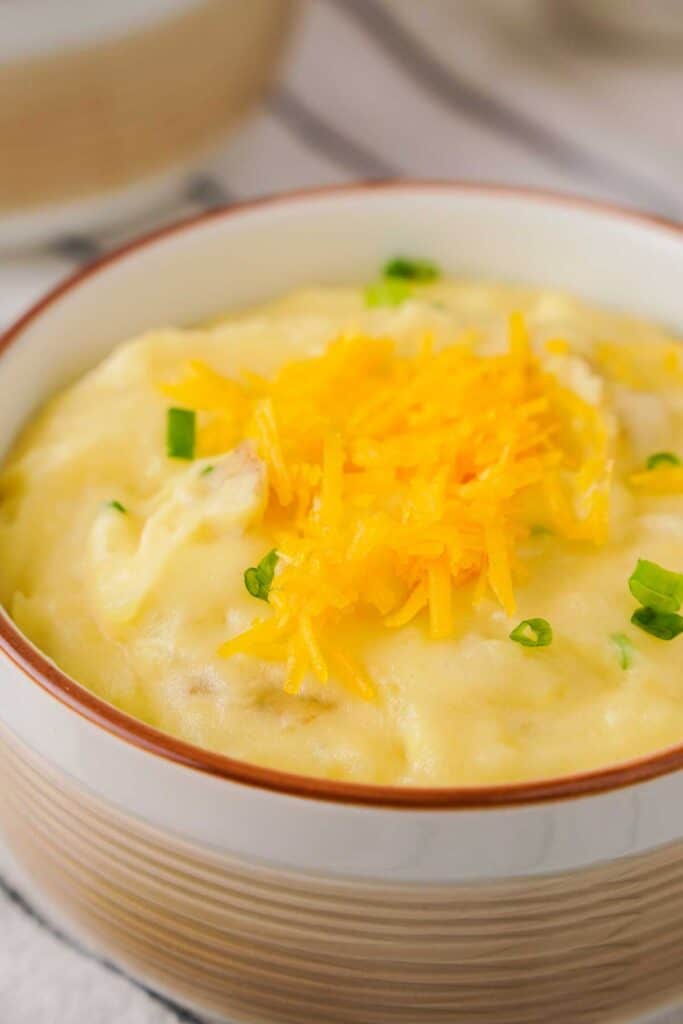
<point>441,491</point>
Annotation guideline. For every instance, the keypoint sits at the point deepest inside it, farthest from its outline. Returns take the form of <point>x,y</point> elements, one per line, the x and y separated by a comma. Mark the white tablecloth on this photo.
<point>521,91</point>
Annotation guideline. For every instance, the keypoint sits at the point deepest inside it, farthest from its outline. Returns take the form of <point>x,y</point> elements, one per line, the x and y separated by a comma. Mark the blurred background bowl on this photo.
<point>103,106</point>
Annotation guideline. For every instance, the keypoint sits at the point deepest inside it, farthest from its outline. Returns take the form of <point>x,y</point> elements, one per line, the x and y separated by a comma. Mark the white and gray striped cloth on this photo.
<point>534,92</point>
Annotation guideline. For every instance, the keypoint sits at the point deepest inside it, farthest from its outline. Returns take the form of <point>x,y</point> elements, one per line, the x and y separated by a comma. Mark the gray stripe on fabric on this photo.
<point>336,145</point>
<point>208,192</point>
<point>80,249</point>
<point>466,98</point>
<point>20,903</point>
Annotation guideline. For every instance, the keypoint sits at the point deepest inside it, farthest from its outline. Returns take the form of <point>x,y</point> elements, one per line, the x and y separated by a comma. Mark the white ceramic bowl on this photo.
<point>269,898</point>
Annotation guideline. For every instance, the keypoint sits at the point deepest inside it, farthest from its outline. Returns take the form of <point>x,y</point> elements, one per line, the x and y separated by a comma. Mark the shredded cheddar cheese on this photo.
<point>557,347</point>
<point>663,480</point>
<point>649,365</point>
<point>394,479</point>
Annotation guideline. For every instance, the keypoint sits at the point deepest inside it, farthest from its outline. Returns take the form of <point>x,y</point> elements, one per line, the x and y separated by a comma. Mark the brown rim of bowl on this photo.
<point>39,669</point>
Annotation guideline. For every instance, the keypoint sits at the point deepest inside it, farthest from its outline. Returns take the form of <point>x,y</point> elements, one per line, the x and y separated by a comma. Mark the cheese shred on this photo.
<point>396,479</point>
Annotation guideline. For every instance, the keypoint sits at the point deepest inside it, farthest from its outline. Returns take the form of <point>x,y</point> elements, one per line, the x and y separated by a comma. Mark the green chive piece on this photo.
<point>655,587</point>
<point>412,270</point>
<point>206,470</point>
<point>258,579</point>
<point>533,633</point>
<point>663,625</point>
<point>663,459</point>
<point>117,506</point>
<point>388,292</point>
<point>624,649</point>
<point>180,433</point>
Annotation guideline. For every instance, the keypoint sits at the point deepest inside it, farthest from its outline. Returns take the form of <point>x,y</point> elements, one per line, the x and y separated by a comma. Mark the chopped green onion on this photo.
<point>664,625</point>
<point>533,633</point>
<point>412,270</point>
<point>180,433</point>
<point>388,292</point>
<point>539,530</point>
<point>259,578</point>
<point>624,649</point>
<point>207,469</point>
<point>117,506</point>
<point>663,459</point>
<point>656,588</point>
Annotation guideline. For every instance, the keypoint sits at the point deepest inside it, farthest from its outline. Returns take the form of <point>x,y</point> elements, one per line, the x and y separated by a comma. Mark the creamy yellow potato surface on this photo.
<point>126,566</point>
